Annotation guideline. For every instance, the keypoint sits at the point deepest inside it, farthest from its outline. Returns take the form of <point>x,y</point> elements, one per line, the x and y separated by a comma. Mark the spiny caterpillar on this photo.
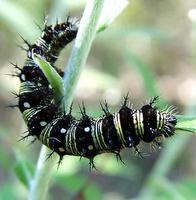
<point>86,137</point>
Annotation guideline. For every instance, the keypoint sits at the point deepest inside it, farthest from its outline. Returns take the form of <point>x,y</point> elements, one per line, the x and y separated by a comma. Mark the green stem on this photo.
<point>40,183</point>
<point>85,36</point>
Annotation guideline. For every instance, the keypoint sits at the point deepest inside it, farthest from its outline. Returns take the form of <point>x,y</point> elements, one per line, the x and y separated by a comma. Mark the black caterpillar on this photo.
<point>86,137</point>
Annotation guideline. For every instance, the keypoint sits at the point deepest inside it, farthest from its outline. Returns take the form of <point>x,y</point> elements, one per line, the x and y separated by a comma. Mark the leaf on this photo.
<point>187,123</point>
<point>53,77</point>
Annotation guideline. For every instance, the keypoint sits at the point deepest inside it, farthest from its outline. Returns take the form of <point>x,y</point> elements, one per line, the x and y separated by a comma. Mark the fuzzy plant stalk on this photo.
<point>76,62</point>
<point>81,48</point>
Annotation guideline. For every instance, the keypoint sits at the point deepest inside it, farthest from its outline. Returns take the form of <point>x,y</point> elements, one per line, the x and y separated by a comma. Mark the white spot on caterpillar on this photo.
<point>23,77</point>
<point>86,129</point>
<point>61,149</point>
<point>39,84</point>
<point>50,86</point>
<point>63,130</point>
<point>90,147</point>
<point>43,123</point>
<point>26,105</point>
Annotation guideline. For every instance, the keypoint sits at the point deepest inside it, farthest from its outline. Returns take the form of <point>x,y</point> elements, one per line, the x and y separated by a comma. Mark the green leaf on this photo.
<point>53,77</point>
<point>24,172</point>
<point>187,123</point>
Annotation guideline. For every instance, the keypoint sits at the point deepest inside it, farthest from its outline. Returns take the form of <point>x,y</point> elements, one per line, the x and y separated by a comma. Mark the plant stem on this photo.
<point>85,36</point>
<point>40,183</point>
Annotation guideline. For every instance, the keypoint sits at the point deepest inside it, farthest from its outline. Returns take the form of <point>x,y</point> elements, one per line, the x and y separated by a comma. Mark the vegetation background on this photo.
<point>149,50</point>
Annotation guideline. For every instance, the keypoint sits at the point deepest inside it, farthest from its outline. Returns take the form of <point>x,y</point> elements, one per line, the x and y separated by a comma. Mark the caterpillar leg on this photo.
<point>158,143</point>
<point>153,100</point>
<point>125,101</point>
<point>25,136</point>
<point>50,155</point>
<point>138,152</point>
<point>60,161</point>
<point>105,108</point>
<point>118,157</point>
<point>34,139</point>
<point>92,164</point>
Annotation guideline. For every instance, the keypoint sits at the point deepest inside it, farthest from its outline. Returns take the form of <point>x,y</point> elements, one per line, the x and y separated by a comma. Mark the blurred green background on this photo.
<point>150,49</point>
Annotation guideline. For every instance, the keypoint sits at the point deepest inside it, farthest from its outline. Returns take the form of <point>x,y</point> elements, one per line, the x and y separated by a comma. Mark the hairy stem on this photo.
<point>81,48</point>
<point>40,183</point>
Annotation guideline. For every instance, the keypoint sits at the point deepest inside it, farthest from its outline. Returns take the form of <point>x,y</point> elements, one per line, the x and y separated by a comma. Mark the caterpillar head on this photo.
<point>169,125</point>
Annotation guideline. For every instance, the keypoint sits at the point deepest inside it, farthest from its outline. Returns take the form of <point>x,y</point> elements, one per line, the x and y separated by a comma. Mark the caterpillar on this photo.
<point>34,85</point>
<point>85,137</point>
